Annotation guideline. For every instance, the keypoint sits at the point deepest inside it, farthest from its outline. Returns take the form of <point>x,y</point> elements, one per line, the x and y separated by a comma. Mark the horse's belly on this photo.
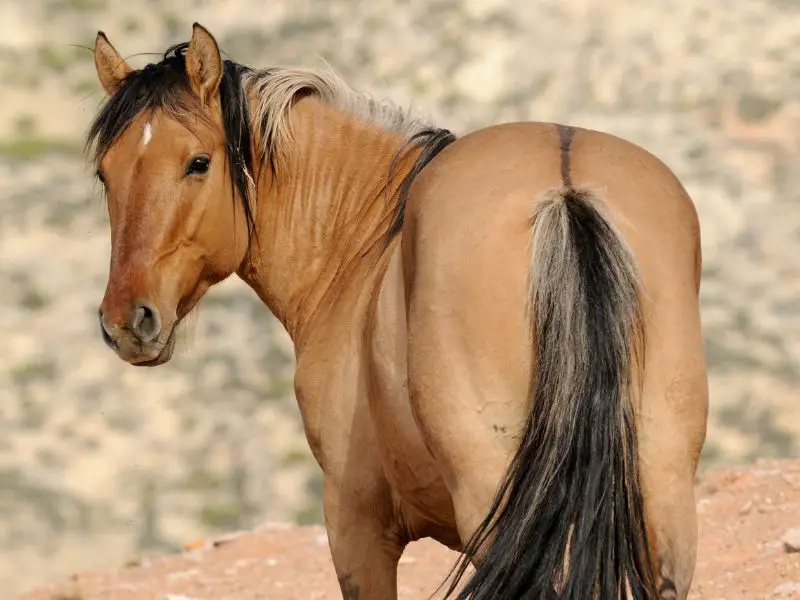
<point>409,466</point>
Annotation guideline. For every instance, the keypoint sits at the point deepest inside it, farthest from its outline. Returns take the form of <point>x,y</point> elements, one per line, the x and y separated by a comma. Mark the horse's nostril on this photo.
<point>109,340</point>
<point>145,322</point>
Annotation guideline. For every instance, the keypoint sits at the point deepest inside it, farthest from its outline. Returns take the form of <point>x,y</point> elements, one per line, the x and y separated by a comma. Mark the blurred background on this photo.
<point>101,462</point>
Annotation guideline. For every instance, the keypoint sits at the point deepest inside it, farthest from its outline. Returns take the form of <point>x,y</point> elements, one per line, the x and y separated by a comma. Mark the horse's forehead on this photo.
<point>157,125</point>
<point>165,130</point>
<point>147,134</point>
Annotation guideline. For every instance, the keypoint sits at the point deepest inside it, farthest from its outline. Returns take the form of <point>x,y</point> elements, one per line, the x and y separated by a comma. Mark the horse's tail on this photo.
<point>568,520</point>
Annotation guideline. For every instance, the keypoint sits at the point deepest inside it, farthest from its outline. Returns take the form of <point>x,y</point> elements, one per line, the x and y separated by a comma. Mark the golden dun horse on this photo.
<point>498,339</point>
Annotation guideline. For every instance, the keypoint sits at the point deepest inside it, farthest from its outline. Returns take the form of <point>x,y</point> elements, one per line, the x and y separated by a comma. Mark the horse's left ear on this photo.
<point>203,63</point>
<point>111,67</point>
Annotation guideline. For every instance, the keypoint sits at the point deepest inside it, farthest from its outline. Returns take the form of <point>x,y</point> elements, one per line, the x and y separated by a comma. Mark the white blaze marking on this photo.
<point>148,133</point>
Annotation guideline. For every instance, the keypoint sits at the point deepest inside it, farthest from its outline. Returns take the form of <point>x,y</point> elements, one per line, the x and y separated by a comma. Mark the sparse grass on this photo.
<point>34,300</point>
<point>63,214</point>
<point>245,43</point>
<point>315,484</point>
<point>52,59</point>
<point>202,480</point>
<point>215,298</point>
<point>760,425</point>
<point>451,99</point>
<point>310,515</point>
<point>753,108</point>
<point>419,87</point>
<point>223,515</point>
<point>90,443</point>
<point>295,457</point>
<point>83,52</point>
<point>55,509</point>
<point>31,81</point>
<point>50,459</point>
<point>304,27</point>
<point>172,22</point>
<point>123,421</point>
<point>37,370</point>
<point>33,147</point>
<point>34,414</point>
<point>443,10</point>
<point>188,423</point>
<point>279,387</point>
<point>84,87</point>
<point>25,125</point>
<point>503,20</point>
<point>23,78</point>
<point>66,432</point>
<point>131,25</point>
<point>725,358</point>
<point>76,5</point>
<point>711,453</point>
<point>277,358</point>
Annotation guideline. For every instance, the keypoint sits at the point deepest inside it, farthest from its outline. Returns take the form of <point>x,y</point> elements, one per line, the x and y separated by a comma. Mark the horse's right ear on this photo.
<point>111,67</point>
<point>203,63</point>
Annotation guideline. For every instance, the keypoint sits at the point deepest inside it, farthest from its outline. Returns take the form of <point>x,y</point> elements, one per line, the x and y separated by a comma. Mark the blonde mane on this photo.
<point>276,88</point>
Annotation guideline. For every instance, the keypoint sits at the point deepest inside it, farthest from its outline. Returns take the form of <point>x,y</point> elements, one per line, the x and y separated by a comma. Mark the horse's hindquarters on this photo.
<point>466,255</point>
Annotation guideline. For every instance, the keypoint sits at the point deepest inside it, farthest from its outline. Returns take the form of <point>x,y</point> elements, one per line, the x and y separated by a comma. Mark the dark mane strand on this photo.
<point>238,136</point>
<point>431,142</point>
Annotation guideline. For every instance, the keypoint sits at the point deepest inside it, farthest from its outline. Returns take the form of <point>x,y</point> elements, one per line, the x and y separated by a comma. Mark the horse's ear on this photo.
<point>111,67</point>
<point>203,63</point>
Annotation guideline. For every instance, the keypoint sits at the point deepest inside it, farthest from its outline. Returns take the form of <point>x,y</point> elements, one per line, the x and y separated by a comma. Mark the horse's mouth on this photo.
<point>163,356</point>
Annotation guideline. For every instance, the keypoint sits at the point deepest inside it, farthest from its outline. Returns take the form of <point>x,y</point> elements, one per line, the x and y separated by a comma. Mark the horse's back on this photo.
<point>473,204</point>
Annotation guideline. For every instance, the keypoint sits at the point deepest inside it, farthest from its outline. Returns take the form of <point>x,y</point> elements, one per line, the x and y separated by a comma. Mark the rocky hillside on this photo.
<point>101,462</point>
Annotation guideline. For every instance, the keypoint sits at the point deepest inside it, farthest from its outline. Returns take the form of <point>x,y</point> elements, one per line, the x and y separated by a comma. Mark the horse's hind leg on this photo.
<point>674,412</point>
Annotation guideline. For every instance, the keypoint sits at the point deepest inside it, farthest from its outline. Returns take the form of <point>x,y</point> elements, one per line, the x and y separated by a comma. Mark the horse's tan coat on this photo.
<point>414,359</point>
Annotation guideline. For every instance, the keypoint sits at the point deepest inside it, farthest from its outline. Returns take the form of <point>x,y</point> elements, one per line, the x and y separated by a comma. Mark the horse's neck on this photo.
<point>322,225</point>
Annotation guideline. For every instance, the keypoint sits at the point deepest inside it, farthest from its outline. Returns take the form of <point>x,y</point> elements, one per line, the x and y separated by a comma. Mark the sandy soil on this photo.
<point>746,514</point>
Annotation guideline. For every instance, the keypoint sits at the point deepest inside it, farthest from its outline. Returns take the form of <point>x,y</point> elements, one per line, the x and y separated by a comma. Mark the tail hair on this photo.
<point>568,520</point>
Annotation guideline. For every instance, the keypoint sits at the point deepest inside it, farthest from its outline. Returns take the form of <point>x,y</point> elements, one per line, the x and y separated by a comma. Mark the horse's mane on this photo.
<point>165,86</point>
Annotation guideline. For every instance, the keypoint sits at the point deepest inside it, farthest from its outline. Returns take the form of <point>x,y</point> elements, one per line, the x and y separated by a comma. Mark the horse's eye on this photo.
<point>100,178</point>
<point>198,165</point>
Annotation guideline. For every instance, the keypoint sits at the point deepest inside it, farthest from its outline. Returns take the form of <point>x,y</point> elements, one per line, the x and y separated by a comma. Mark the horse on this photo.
<point>497,335</point>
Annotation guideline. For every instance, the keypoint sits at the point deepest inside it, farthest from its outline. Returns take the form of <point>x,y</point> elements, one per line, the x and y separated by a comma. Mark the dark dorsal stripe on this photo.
<point>565,136</point>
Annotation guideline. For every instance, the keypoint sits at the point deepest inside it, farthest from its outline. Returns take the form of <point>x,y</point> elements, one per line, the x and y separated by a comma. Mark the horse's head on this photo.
<point>172,146</point>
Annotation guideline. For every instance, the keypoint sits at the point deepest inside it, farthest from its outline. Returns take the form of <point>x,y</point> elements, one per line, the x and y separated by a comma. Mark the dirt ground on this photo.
<point>746,520</point>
